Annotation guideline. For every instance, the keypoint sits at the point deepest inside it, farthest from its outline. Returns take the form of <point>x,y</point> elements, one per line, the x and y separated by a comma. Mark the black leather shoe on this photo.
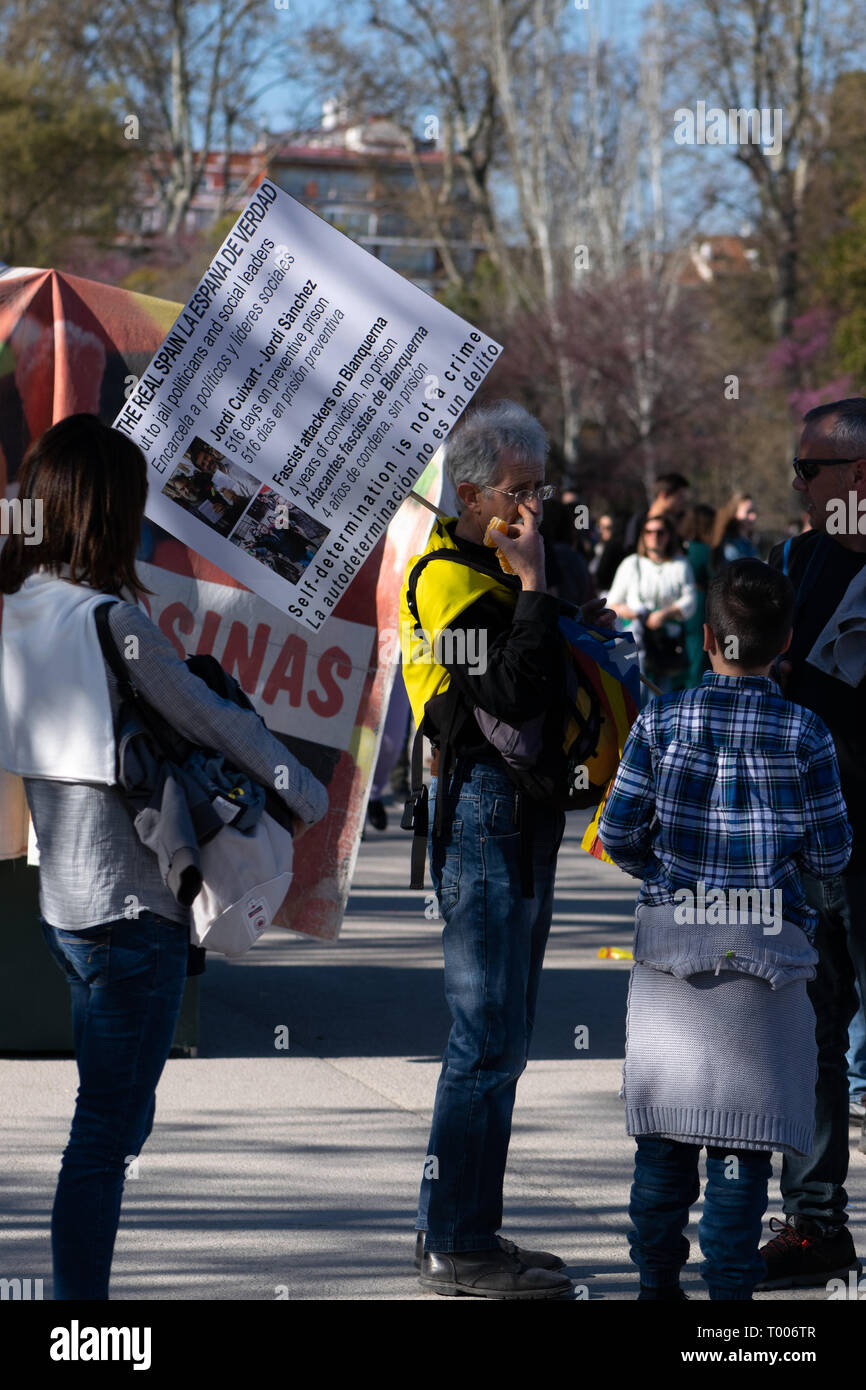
<point>489,1274</point>
<point>534,1259</point>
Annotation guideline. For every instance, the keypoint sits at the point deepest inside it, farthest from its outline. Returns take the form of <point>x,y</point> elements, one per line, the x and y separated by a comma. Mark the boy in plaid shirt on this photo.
<point>725,793</point>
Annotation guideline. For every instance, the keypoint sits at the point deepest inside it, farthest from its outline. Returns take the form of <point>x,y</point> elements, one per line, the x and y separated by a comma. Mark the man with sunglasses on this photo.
<point>814,1244</point>
<point>496,916</point>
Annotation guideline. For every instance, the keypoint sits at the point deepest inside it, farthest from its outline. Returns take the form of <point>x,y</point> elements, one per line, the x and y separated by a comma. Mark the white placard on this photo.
<point>298,396</point>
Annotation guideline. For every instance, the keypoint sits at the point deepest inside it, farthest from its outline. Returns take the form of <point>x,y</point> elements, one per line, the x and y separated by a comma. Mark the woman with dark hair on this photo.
<point>732,531</point>
<point>108,918</point>
<point>654,592</point>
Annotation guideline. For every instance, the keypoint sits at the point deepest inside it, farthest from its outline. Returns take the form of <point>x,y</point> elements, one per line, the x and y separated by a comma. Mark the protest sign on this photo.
<point>71,345</point>
<point>299,395</point>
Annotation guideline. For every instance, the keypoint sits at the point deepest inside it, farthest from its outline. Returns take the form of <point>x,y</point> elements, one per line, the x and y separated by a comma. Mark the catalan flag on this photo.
<point>609,662</point>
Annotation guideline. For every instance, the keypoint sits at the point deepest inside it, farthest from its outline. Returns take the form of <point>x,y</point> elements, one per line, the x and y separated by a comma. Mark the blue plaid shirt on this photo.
<point>731,785</point>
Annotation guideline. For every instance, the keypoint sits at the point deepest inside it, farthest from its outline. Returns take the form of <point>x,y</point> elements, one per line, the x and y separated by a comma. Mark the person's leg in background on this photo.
<point>855,892</point>
<point>127,981</point>
<point>665,1186</point>
<point>814,1243</point>
<point>856,1060</point>
<point>729,1231</point>
<point>393,740</point>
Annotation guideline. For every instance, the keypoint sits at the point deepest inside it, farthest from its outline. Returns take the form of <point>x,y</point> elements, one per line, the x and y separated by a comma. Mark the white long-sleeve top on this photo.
<point>642,583</point>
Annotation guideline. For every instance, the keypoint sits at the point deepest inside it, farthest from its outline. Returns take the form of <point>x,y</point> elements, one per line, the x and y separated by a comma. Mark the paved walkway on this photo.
<point>294,1173</point>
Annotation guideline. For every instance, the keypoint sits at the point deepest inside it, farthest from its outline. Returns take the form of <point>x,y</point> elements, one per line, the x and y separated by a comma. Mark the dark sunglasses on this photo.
<point>807,469</point>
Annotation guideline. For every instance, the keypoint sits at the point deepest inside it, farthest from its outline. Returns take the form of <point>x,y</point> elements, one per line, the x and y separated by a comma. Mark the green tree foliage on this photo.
<point>844,281</point>
<point>63,164</point>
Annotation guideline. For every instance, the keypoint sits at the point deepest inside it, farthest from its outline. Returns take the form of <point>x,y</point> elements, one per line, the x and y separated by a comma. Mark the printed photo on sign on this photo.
<point>210,486</point>
<point>280,535</point>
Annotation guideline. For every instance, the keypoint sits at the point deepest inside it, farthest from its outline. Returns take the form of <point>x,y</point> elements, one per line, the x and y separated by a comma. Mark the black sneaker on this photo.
<point>669,1294</point>
<point>534,1259</point>
<point>489,1274</point>
<point>802,1256</point>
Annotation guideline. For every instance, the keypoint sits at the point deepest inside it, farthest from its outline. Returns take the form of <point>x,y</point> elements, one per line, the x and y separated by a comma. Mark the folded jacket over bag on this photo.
<point>219,850</point>
<point>720,1034</point>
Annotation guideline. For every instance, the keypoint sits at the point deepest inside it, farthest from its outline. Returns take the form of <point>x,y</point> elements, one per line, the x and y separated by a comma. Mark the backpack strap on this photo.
<point>416,814</point>
<point>508,581</point>
<point>786,554</point>
<point>171,744</point>
<point>109,650</point>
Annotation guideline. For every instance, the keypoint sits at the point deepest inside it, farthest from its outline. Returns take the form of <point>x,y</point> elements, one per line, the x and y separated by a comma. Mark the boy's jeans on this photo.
<point>494,942</point>
<point>815,1186</point>
<point>126,980</point>
<point>666,1184</point>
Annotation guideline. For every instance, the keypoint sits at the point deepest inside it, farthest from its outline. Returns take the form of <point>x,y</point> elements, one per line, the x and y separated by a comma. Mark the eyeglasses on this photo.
<point>654,530</point>
<point>807,469</point>
<point>527,494</point>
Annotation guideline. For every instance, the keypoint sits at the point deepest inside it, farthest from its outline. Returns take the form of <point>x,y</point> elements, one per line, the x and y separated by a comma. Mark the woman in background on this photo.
<point>696,531</point>
<point>732,531</point>
<point>654,592</point>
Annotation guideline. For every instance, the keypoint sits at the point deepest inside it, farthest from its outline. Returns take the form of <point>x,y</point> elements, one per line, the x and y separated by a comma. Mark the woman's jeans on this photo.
<point>493,942</point>
<point>126,979</point>
<point>666,1183</point>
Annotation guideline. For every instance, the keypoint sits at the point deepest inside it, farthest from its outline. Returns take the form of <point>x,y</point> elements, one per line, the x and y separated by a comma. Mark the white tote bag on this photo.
<point>246,879</point>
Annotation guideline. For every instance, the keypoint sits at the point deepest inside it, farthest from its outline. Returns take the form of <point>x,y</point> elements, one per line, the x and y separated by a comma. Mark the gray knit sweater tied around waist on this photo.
<point>720,1035</point>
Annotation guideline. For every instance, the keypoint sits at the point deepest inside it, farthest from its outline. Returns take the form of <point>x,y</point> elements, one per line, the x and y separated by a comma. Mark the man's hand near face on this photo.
<point>523,548</point>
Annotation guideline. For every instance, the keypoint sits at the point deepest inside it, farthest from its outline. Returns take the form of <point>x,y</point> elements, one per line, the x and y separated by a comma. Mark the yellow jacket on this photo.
<point>443,592</point>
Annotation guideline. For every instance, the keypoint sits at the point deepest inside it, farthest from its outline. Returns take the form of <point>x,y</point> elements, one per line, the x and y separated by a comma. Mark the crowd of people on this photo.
<point>739,803</point>
<point>654,568</point>
<point>744,783</point>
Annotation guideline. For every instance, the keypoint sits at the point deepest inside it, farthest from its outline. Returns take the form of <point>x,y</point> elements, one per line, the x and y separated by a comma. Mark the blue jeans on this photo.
<point>815,1186</point>
<point>493,942</point>
<point>126,980</point>
<point>857,1051</point>
<point>666,1184</point>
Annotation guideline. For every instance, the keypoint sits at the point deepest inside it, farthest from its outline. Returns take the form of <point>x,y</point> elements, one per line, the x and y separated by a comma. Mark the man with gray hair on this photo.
<point>491,863</point>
